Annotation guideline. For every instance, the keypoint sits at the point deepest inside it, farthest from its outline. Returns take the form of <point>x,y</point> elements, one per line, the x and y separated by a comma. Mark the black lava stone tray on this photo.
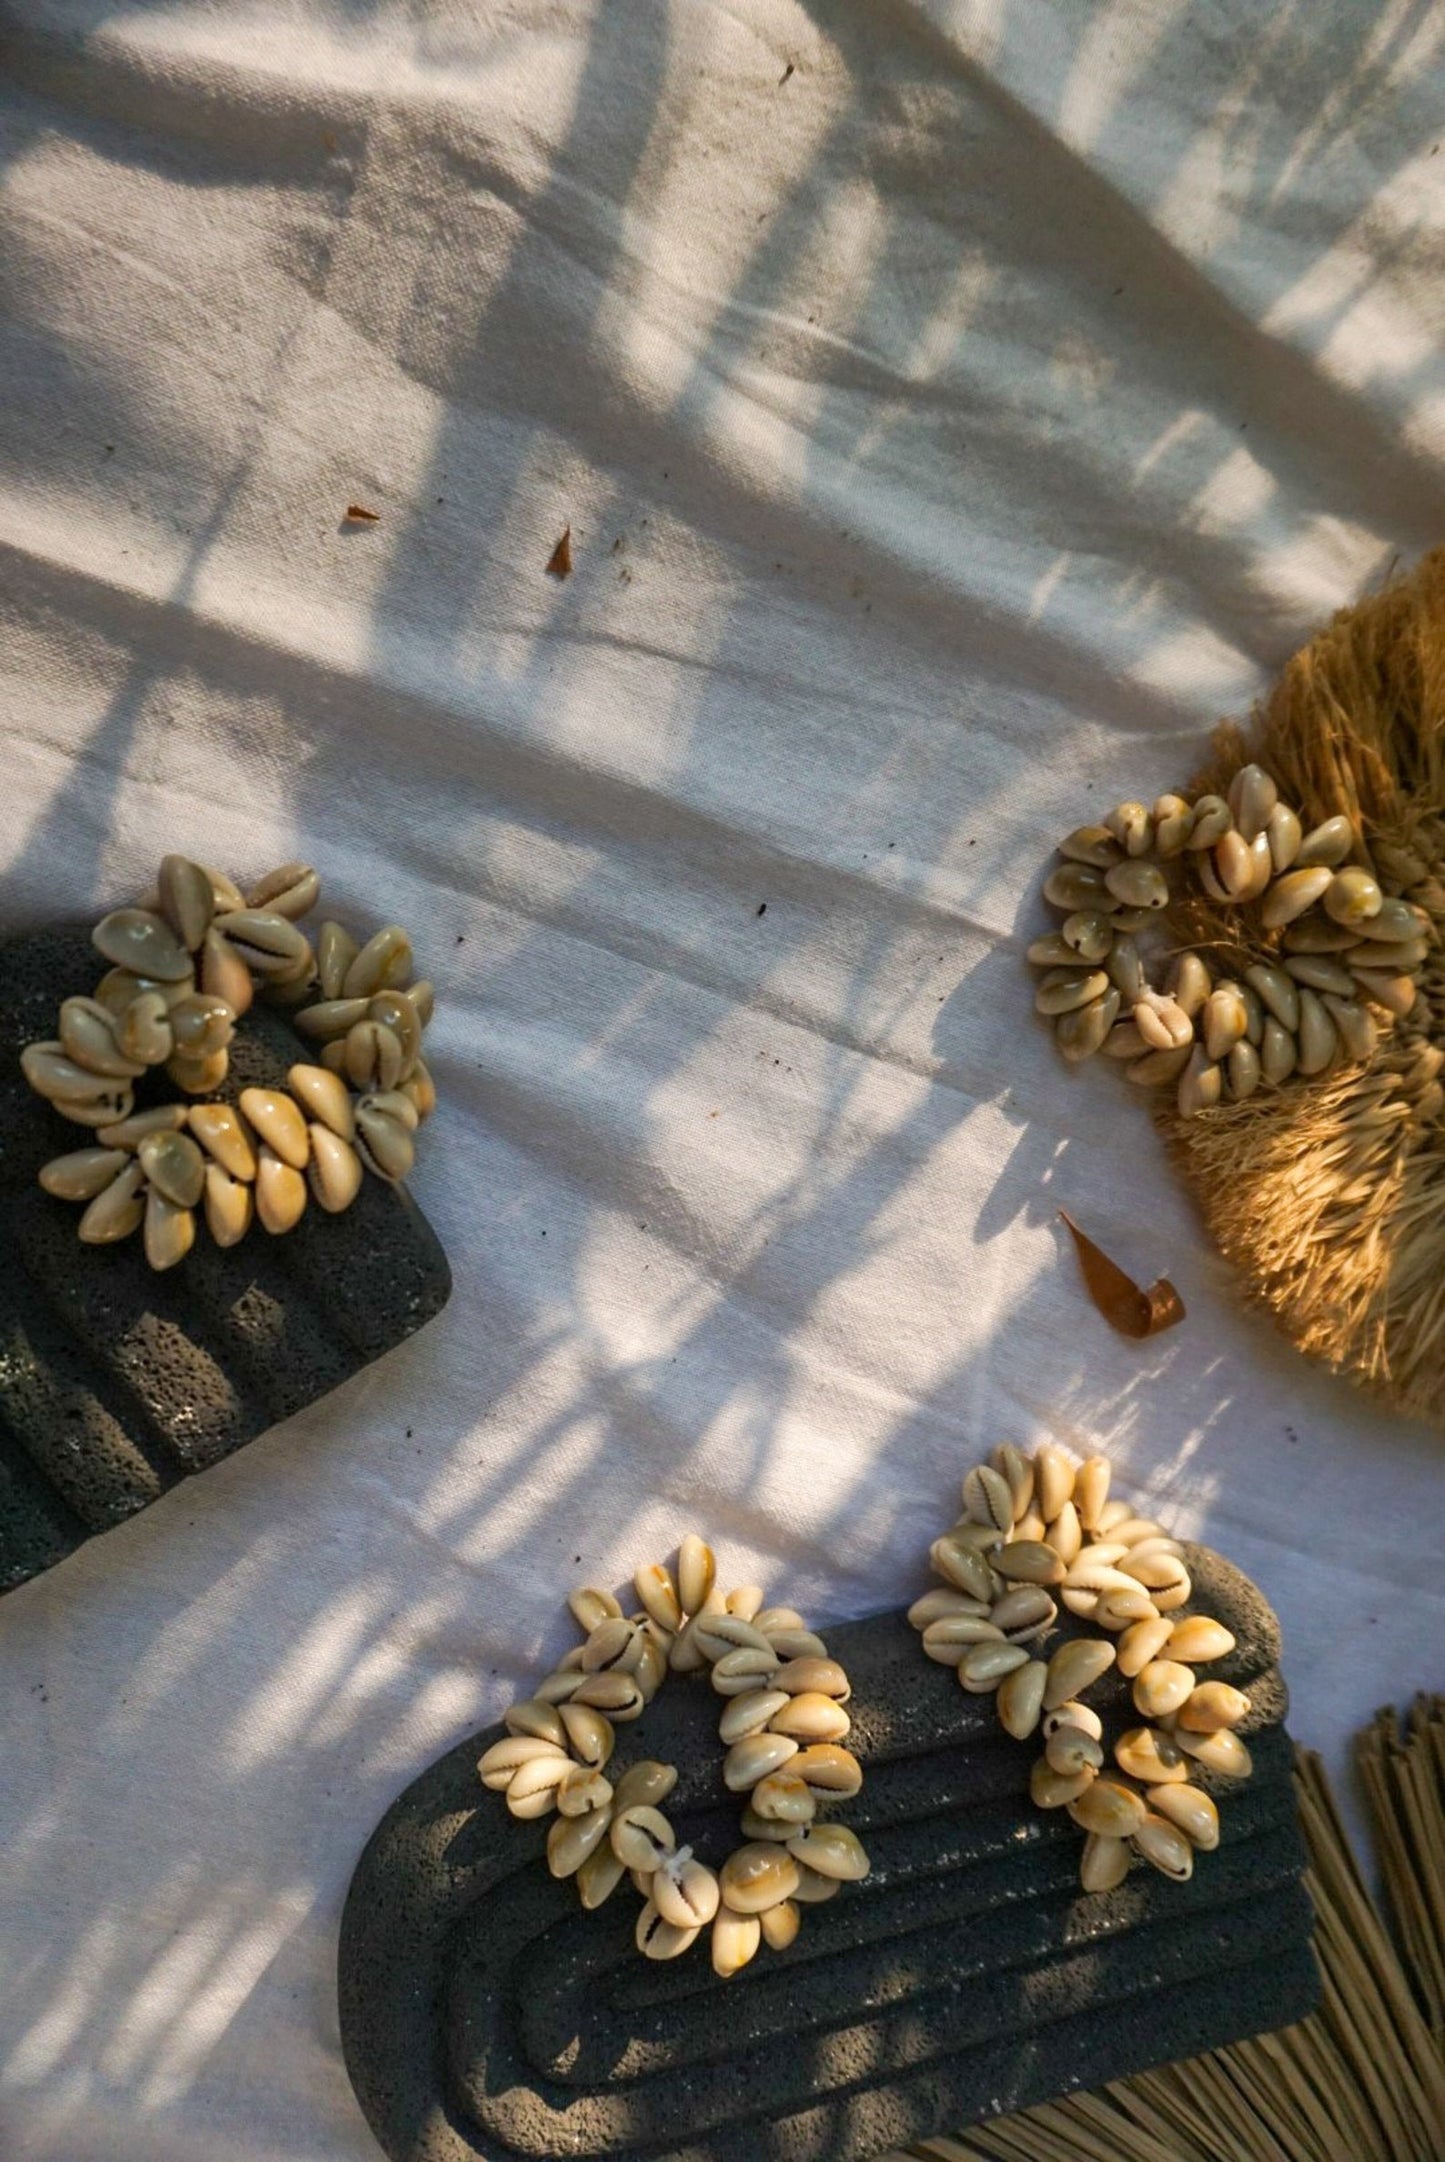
<point>485,2015</point>
<point>116,1382</point>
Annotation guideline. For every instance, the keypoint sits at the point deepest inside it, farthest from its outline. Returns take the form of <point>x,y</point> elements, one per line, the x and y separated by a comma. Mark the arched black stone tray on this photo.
<point>483,2014</point>
<point>116,1383</point>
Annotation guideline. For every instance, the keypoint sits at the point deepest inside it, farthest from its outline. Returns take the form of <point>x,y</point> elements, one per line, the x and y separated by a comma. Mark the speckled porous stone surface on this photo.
<point>485,2015</point>
<point>116,1382</point>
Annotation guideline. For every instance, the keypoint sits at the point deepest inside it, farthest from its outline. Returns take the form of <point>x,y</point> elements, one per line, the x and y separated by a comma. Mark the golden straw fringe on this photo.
<point>1404,1774</point>
<point>1361,2080</point>
<point>1329,1199</point>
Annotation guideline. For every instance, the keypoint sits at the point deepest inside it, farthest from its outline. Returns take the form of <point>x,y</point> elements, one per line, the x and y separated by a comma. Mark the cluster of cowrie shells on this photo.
<point>183,968</point>
<point>782,1724</point>
<point>1031,1528</point>
<point>1320,946</point>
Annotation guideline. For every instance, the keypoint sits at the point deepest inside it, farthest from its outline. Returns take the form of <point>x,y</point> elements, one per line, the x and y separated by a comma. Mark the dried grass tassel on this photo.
<point>1363,2079</point>
<point>1328,1197</point>
<point>1404,1777</point>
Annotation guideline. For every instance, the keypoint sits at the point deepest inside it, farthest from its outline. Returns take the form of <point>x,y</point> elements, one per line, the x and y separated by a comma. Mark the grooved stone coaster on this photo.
<point>484,2014</point>
<point>116,1382</point>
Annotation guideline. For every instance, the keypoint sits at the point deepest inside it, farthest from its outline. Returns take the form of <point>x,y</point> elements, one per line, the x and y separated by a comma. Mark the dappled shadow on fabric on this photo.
<point>730,994</point>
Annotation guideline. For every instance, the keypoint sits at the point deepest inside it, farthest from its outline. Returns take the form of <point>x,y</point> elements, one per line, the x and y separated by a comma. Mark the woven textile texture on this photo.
<point>957,409</point>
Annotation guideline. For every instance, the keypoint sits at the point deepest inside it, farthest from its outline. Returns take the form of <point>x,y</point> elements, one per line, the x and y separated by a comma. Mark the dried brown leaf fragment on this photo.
<point>1125,1305</point>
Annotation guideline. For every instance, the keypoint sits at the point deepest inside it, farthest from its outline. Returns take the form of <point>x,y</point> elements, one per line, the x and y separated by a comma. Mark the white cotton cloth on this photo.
<point>957,408</point>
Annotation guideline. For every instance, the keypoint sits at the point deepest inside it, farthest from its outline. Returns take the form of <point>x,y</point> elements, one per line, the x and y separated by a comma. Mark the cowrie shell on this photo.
<point>934,1605</point>
<point>988,1498</point>
<point>828,1769</point>
<point>780,1925</point>
<point>1020,1699</point>
<point>1069,1749</point>
<point>117,1211</point>
<point>504,1759</point>
<point>984,1666</point>
<point>224,1137</point>
<point>735,1940</point>
<point>1165,1847</point>
<point>832,1851</point>
<point>754,1757</point>
<point>170,1230</point>
<point>824,1677</point>
<point>646,1781</point>
<point>1103,1551</point>
<point>641,1836</point>
<point>83,1174</point>
<point>1088,1575</point>
<point>187,899</point>
<point>1213,1707</point>
<point>1117,1609</point>
<point>590,1606</point>
<point>1049,1789</point>
<point>269,944</point>
<point>334,1171</point>
<point>1015,1467</point>
<point>809,1717</point>
<point>656,1938</point>
<point>783,1798</point>
<point>174,1168</point>
<point>1029,1561</point>
<point>1053,1480</point>
<point>137,939</point>
<point>530,1716</point>
<point>1075,1667</point>
<point>1191,1811</point>
<point>588,1733</point>
<point>279,1124</point>
<point>686,1893</point>
<point>1141,1642</point>
<point>750,1713</point>
<point>383,963</point>
<point>1154,1758</point>
<point>599,1877</point>
<point>280,1192</point>
<point>1071,1713</point>
<point>746,1669</point>
<point>1109,1807</point>
<point>1105,1863</point>
<point>658,1593</point>
<point>1222,1752</point>
<point>696,1572</point>
<point>89,1037</point>
<point>962,1567</point>
<point>292,890</point>
<point>574,1835</point>
<point>948,1640</point>
<point>1198,1640</point>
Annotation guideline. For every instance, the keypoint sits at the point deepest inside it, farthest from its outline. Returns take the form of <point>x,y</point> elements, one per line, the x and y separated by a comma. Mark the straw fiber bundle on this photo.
<point>1328,1195</point>
<point>1363,2079</point>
